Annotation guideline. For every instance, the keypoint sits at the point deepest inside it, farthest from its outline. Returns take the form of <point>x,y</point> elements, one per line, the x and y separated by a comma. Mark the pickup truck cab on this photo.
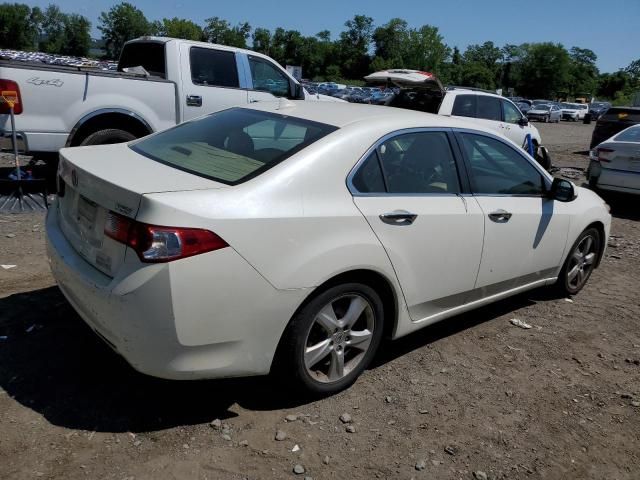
<point>423,91</point>
<point>160,82</point>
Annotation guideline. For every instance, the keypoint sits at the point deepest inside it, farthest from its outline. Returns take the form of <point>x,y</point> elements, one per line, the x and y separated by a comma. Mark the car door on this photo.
<point>514,128</point>
<point>525,231</point>
<point>267,82</point>
<point>210,81</point>
<point>408,188</point>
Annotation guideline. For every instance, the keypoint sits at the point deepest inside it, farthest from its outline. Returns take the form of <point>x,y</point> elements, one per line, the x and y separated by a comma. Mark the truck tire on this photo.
<point>108,136</point>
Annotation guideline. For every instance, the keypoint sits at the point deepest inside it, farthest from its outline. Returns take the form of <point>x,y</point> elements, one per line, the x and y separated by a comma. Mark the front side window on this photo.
<point>233,145</point>
<point>215,68</point>
<point>266,77</point>
<point>419,163</point>
<point>511,113</point>
<point>489,108</point>
<point>499,169</point>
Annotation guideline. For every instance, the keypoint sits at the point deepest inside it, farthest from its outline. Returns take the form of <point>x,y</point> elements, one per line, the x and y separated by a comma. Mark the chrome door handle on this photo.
<point>194,100</point>
<point>398,217</point>
<point>500,216</point>
<point>253,100</point>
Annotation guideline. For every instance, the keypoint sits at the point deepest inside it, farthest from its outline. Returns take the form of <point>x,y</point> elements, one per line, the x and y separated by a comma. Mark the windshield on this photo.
<point>542,107</point>
<point>232,146</point>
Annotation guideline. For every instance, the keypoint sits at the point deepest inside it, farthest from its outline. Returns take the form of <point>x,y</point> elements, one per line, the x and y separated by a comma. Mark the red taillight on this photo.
<point>154,243</point>
<point>604,154</point>
<point>10,86</point>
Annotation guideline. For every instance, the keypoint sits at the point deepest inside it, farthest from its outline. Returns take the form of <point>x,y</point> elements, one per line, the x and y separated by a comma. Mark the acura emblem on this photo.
<point>74,178</point>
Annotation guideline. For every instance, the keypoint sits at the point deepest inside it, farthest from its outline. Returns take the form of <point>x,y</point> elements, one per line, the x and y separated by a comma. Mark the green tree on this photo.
<point>583,73</point>
<point>614,84</point>
<point>120,24</point>
<point>426,50</point>
<point>19,26</point>
<point>52,30</point>
<point>77,37</point>
<point>544,70</point>
<point>218,30</point>
<point>390,42</point>
<point>482,66</point>
<point>178,28</point>
<point>262,40</point>
<point>354,46</point>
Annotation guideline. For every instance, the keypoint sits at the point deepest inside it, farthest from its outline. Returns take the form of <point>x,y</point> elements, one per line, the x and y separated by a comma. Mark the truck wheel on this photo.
<point>108,136</point>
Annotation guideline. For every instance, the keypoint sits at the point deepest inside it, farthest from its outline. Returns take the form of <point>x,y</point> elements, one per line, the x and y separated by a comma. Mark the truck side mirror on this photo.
<point>297,91</point>
<point>524,121</point>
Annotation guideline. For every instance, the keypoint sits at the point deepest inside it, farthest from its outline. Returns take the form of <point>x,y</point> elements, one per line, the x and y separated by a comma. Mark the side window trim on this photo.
<point>544,174</point>
<point>277,68</point>
<point>455,151</point>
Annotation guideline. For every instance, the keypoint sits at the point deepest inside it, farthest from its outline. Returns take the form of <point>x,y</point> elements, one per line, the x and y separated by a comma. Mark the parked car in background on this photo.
<point>523,106</point>
<point>597,109</point>
<point>573,111</point>
<point>613,121</point>
<point>160,82</point>
<point>292,236</point>
<point>615,163</point>
<point>423,91</point>
<point>545,112</point>
<point>541,102</point>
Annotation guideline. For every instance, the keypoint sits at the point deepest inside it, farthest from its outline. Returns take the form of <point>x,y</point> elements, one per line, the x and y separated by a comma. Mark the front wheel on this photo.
<point>332,339</point>
<point>580,263</point>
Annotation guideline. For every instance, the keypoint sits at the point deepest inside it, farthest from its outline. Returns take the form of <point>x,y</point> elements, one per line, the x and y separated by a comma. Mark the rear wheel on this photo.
<point>332,339</point>
<point>580,262</point>
<point>108,136</point>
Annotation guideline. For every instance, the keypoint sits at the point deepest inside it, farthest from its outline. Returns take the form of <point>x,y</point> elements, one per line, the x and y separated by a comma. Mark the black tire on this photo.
<point>593,183</point>
<point>290,364</point>
<point>541,157</point>
<point>564,285</point>
<point>108,136</point>
<point>546,119</point>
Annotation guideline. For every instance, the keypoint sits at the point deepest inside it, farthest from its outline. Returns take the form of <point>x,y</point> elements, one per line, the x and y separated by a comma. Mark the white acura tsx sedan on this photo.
<point>293,236</point>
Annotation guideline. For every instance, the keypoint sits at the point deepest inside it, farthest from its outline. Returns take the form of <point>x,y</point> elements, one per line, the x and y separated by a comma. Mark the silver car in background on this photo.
<point>545,112</point>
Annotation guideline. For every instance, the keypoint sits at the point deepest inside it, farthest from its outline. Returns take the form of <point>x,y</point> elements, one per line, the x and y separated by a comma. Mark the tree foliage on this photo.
<point>178,28</point>
<point>120,24</point>
<point>19,26</point>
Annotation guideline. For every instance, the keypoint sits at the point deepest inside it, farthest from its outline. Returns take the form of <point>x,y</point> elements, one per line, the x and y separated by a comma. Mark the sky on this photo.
<point>610,28</point>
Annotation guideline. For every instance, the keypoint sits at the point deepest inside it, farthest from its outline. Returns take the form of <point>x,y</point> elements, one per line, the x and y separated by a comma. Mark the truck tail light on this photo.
<point>10,88</point>
<point>156,244</point>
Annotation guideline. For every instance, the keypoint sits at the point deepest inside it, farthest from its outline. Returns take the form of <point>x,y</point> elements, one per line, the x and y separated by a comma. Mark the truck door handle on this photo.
<point>398,217</point>
<point>194,100</point>
<point>500,216</point>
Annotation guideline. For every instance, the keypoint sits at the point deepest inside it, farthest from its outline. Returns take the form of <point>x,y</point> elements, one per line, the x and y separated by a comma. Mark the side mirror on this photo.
<point>562,190</point>
<point>523,122</point>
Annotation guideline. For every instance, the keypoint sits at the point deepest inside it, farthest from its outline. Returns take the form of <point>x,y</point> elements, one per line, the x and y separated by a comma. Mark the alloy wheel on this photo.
<point>582,262</point>
<point>339,338</point>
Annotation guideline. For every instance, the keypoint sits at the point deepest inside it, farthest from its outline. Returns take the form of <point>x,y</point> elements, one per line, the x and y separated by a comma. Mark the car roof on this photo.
<point>341,114</point>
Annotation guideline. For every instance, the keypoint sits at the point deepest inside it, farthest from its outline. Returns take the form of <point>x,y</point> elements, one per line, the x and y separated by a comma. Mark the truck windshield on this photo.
<point>149,55</point>
<point>232,146</point>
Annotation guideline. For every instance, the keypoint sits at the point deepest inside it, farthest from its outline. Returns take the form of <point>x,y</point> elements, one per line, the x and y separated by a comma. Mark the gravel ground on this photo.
<point>471,397</point>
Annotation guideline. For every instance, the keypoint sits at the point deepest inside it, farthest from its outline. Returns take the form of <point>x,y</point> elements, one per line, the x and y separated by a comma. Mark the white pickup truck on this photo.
<point>160,82</point>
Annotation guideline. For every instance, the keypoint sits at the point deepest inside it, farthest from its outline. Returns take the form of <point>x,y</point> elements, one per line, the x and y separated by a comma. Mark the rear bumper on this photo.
<point>6,142</point>
<point>208,316</point>
<point>33,141</point>
<point>615,180</point>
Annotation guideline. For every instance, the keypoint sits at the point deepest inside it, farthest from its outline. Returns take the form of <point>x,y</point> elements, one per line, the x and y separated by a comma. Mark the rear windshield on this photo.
<point>622,114</point>
<point>232,146</point>
<point>629,135</point>
<point>149,55</point>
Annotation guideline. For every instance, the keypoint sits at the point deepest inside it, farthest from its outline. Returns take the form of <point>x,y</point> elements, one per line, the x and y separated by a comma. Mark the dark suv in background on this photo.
<point>613,121</point>
<point>597,109</point>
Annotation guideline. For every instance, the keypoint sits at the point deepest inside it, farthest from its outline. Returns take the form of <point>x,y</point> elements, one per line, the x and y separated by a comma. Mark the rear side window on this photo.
<point>489,108</point>
<point>216,68</point>
<point>464,106</point>
<point>232,146</point>
<point>629,135</point>
<point>368,178</point>
<point>149,55</point>
<point>621,114</point>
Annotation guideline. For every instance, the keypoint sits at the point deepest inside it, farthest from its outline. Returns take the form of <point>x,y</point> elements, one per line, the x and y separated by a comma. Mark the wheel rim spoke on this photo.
<point>327,318</point>
<point>361,339</point>
<point>317,352</point>
<point>356,307</point>
<point>588,242</point>
<point>589,258</point>
<point>577,255</point>
<point>336,366</point>
<point>571,275</point>
<point>580,277</point>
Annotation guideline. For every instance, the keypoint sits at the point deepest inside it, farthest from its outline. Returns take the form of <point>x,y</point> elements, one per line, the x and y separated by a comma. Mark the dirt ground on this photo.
<point>471,397</point>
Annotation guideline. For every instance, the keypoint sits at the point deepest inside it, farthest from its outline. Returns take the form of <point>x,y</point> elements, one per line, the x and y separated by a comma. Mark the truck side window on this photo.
<point>464,106</point>
<point>489,108</point>
<point>268,78</point>
<point>215,68</point>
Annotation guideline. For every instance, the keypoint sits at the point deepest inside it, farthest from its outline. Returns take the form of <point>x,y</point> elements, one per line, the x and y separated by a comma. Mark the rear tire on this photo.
<point>108,136</point>
<point>580,262</point>
<point>325,348</point>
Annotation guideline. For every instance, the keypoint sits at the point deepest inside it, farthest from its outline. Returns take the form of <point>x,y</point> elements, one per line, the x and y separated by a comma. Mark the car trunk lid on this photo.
<point>94,181</point>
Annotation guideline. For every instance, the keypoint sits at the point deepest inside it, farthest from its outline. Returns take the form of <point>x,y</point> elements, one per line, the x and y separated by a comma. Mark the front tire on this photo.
<point>580,262</point>
<point>332,339</point>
